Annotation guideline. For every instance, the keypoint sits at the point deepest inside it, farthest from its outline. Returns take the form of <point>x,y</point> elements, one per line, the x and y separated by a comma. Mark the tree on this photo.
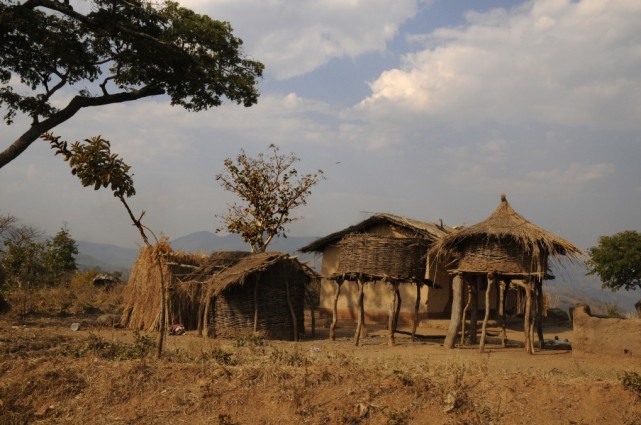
<point>59,258</point>
<point>270,189</point>
<point>94,164</point>
<point>117,51</point>
<point>617,260</point>
<point>23,257</point>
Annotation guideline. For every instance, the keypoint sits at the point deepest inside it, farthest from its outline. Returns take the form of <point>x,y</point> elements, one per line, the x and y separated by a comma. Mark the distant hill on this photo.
<point>108,257</point>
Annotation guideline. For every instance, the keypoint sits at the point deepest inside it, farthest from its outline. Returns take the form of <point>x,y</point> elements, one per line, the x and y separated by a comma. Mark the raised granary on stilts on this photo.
<point>340,301</point>
<point>373,260</point>
<point>503,251</point>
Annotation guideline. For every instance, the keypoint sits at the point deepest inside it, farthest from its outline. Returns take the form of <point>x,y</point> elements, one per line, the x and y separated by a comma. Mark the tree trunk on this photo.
<point>490,282</point>
<point>332,327</point>
<point>417,305</point>
<point>455,319</point>
<point>163,307</point>
<point>638,307</point>
<point>359,326</point>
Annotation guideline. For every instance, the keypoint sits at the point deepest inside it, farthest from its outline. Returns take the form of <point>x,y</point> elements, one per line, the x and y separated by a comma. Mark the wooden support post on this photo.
<point>206,329</point>
<point>502,288</point>
<point>417,305</point>
<point>332,327</point>
<point>490,281</point>
<point>291,311</point>
<point>474,308</point>
<point>397,308</point>
<point>539,312</point>
<point>201,311</point>
<point>527,317</point>
<point>467,306</point>
<point>256,304</point>
<point>359,326</point>
<point>455,319</point>
<point>392,315</point>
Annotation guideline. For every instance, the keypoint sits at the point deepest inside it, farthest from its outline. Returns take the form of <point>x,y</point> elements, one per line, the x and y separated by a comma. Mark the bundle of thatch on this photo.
<point>505,243</point>
<point>142,294</point>
<point>374,257</point>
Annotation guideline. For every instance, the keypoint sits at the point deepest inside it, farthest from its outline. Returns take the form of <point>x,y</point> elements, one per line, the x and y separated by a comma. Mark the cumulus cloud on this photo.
<point>550,61</point>
<point>296,37</point>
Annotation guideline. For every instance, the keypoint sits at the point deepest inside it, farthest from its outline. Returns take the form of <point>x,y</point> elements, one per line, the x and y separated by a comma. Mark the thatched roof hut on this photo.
<point>504,250</point>
<point>407,226</point>
<point>504,243</point>
<point>261,293</point>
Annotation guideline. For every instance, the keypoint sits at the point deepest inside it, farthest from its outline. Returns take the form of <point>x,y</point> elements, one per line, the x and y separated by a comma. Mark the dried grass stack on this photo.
<point>142,293</point>
<point>378,258</point>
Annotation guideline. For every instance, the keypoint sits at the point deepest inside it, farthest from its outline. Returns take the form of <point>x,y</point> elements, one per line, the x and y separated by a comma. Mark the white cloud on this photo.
<point>296,37</point>
<point>549,61</point>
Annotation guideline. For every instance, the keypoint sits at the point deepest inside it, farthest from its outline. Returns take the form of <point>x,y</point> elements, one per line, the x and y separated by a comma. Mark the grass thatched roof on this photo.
<point>246,267</point>
<point>506,226</point>
<point>216,263</point>
<point>420,229</point>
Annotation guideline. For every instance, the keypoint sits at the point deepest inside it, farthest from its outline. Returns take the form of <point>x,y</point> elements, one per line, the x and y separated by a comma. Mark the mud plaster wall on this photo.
<point>377,295</point>
<point>616,337</point>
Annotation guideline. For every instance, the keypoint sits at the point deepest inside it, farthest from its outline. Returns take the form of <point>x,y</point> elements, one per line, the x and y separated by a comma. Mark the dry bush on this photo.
<point>78,296</point>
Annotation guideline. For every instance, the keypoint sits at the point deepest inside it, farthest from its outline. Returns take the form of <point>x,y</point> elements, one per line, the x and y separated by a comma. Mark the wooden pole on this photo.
<point>502,288</point>
<point>291,311</point>
<point>397,308</point>
<point>392,313</point>
<point>417,305</point>
<point>467,306</point>
<point>256,304</point>
<point>455,319</point>
<point>539,312</point>
<point>474,308</point>
<point>201,311</point>
<point>332,327</point>
<point>527,317</point>
<point>359,326</point>
<point>490,281</point>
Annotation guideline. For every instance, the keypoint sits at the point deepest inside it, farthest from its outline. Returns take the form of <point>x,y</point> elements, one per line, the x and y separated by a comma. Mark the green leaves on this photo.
<point>94,164</point>
<point>269,189</point>
<point>617,260</point>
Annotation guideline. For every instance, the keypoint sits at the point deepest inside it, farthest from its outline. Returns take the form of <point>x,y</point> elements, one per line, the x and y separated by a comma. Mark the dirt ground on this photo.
<point>50,374</point>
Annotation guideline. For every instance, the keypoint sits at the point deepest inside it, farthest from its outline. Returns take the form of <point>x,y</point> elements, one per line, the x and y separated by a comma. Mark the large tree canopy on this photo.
<point>617,260</point>
<point>116,51</point>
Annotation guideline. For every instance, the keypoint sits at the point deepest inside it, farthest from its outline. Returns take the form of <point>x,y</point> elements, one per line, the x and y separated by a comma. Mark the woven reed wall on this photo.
<point>233,309</point>
<point>486,257</point>
<point>397,258</point>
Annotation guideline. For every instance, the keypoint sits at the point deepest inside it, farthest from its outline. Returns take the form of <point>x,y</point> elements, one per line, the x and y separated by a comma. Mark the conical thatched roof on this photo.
<point>506,227</point>
<point>420,229</point>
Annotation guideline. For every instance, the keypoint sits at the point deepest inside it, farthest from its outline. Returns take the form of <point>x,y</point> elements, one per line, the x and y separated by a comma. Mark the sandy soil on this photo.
<point>50,374</point>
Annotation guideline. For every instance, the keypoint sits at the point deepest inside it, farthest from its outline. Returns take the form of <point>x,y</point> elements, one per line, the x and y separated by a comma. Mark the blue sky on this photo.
<point>428,109</point>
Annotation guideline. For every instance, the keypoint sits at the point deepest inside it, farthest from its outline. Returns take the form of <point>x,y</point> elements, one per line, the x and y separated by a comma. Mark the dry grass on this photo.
<point>49,375</point>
